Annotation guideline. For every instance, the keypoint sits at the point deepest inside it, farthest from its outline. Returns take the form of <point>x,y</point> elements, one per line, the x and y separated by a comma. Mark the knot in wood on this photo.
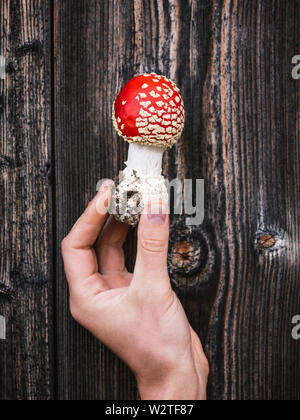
<point>5,290</point>
<point>32,46</point>
<point>184,256</point>
<point>266,242</point>
<point>192,256</point>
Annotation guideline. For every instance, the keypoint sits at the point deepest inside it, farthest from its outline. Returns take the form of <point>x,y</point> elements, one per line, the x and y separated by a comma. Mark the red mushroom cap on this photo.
<point>149,110</point>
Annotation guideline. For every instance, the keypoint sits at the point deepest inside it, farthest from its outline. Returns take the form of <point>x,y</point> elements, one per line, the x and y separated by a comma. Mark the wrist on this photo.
<point>180,384</point>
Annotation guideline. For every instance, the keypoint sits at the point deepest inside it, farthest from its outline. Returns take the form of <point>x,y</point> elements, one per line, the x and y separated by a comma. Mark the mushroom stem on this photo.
<point>146,161</point>
<point>140,182</point>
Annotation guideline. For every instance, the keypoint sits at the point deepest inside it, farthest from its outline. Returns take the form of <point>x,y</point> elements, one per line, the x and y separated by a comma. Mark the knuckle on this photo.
<point>153,245</point>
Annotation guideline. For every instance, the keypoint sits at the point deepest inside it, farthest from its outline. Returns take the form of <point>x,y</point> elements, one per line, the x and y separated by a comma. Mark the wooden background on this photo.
<point>232,59</point>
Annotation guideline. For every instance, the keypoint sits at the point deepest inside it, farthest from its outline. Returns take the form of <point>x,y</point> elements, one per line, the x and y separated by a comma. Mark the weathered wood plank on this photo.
<point>251,119</point>
<point>232,61</point>
<point>94,56</point>
<point>25,202</point>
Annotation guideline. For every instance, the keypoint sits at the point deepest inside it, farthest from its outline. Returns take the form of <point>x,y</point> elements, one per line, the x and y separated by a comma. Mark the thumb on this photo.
<point>152,249</point>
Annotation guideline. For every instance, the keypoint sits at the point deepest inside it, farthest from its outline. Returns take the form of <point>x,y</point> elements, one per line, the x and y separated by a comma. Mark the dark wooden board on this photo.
<point>26,265</point>
<point>253,191</point>
<point>232,61</point>
<point>93,49</point>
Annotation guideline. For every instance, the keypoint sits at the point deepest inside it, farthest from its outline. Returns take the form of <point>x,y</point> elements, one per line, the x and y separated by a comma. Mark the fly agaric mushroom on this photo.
<point>149,114</point>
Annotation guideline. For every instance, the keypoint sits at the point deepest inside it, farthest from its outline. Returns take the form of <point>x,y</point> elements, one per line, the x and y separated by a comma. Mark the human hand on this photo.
<point>138,316</point>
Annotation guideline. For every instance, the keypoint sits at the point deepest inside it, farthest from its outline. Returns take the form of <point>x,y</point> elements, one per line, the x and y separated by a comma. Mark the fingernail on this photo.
<point>102,207</point>
<point>105,187</point>
<point>157,213</point>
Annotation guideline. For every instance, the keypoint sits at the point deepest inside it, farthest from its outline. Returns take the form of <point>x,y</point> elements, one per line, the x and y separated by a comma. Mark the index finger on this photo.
<point>77,248</point>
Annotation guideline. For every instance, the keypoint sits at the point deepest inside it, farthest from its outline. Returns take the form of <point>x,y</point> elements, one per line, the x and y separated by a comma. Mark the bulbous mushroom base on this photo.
<point>133,193</point>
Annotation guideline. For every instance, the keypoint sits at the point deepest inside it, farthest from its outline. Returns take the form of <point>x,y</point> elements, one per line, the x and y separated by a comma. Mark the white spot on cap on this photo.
<point>146,104</point>
<point>156,127</point>
<point>152,109</point>
<point>119,120</point>
<point>145,86</point>
<point>177,99</point>
<point>124,102</point>
<point>159,88</point>
<point>144,131</point>
<point>144,113</point>
<point>155,119</point>
<point>160,104</point>
<point>143,95</point>
<point>141,122</point>
<point>154,94</point>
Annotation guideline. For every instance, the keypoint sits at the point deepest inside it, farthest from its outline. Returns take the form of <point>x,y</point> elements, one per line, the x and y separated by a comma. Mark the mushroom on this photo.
<point>149,114</point>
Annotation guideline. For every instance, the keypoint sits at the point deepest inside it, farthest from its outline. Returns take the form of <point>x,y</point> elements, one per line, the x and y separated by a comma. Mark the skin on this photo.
<point>138,316</point>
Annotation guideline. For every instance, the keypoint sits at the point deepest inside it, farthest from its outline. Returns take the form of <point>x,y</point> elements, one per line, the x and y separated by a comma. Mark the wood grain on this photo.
<point>94,54</point>
<point>25,202</point>
<point>66,62</point>
<point>251,114</point>
<point>232,61</point>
